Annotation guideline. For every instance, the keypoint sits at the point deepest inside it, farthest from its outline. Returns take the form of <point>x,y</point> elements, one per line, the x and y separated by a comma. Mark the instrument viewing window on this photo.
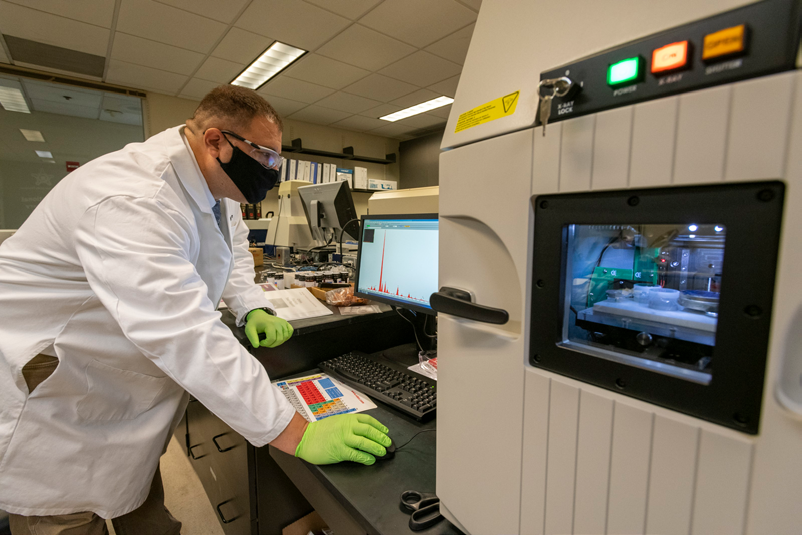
<point>645,295</point>
<point>661,294</point>
<point>397,261</point>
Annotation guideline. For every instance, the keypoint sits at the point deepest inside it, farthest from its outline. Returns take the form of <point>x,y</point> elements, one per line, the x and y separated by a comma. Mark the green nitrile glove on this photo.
<point>345,437</point>
<point>277,331</point>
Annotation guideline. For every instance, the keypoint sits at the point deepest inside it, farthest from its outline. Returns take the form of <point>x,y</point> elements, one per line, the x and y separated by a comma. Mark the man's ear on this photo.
<point>214,141</point>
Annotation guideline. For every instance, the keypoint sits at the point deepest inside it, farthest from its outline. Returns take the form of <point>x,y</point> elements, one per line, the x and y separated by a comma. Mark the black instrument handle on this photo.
<point>459,303</point>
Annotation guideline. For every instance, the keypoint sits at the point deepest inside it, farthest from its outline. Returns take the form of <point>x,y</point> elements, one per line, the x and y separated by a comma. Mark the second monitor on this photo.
<point>328,207</point>
<point>397,260</point>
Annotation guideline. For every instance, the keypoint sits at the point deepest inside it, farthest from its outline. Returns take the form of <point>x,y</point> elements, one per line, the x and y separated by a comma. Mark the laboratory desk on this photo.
<point>353,498</point>
<point>254,493</point>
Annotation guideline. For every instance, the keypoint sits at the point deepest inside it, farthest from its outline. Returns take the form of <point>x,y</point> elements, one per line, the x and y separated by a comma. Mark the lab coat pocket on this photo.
<point>114,394</point>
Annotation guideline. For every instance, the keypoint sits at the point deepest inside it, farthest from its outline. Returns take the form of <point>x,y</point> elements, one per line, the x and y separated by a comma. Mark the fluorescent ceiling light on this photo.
<point>439,102</point>
<point>44,154</point>
<point>270,63</point>
<point>32,135</point>
<point>12,100</point>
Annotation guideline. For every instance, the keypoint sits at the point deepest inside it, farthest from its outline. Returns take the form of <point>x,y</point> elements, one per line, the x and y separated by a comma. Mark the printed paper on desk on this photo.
<point>296,304</point>
<point>319,396</point>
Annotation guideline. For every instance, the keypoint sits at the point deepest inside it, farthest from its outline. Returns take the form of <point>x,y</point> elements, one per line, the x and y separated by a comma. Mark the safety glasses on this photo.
<point>269,158</point>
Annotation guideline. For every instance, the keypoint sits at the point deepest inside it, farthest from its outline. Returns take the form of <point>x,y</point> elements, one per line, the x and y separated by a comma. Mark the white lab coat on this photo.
<point>118,272</point>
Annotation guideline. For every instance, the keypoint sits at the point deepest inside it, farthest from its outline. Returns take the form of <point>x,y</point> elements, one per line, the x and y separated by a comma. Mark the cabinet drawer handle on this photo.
<point>192,454</point>
<point>222,450</point>
<point>223,519</point>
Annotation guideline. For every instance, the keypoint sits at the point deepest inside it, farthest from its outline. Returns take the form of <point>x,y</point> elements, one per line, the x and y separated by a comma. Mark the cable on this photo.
<point>414,330</point>
<point>342,231</point>
<point>427,335</point>
<point>278,222</point>
<point>413,437</point>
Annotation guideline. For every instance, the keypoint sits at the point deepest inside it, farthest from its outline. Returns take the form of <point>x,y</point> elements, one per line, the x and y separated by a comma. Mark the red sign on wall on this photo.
<point>72,166</point>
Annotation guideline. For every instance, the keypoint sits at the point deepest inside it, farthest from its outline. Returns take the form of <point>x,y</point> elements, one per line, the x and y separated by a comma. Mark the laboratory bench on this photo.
<point>262,490</point>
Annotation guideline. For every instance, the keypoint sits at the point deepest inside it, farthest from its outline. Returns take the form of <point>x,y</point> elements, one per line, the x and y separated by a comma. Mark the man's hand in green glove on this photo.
<point>345,437</point>
<point>277,331</point>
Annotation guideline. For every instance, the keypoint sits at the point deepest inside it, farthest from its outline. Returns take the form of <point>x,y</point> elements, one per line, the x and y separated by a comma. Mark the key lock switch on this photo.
<point>546,91</point>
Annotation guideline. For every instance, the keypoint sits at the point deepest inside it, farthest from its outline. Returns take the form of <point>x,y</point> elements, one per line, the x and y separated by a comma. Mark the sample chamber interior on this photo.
<point>645,295</point>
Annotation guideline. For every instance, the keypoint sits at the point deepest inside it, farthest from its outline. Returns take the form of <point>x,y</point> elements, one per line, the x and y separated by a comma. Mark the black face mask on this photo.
<point>251,178</point>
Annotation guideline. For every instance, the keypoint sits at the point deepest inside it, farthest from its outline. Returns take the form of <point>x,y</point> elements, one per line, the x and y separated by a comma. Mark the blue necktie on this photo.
<point>217,216</point>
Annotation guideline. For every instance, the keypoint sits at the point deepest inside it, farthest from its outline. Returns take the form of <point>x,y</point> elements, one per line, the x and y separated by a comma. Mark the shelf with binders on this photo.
<point>347,154</point>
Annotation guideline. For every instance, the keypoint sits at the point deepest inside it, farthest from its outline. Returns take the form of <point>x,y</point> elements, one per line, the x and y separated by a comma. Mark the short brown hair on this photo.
<point>232,107</point>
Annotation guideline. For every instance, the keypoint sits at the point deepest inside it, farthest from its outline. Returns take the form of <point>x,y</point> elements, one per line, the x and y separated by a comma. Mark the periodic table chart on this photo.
<point>319,396</point>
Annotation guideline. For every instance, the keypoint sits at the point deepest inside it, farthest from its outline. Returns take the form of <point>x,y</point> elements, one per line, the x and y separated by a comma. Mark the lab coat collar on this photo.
<point>189,173</point>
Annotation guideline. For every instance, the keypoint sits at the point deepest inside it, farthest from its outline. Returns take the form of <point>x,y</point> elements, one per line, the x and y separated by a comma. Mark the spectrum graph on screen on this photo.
<point>398,260</point>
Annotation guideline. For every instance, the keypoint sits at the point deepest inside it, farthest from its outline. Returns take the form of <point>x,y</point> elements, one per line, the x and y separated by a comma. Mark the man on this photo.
<point>108,298</point>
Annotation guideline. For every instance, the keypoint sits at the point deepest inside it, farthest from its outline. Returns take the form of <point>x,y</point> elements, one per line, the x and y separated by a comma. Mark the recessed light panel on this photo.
<point>438,102</point>
<point>32,135</point>
<point>274,60</point>
<point>44,154</point>
<point>12,100</point>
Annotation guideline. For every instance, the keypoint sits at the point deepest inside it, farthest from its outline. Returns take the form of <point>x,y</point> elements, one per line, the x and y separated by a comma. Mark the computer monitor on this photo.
<point>328,207</point>
<point>397,260</point>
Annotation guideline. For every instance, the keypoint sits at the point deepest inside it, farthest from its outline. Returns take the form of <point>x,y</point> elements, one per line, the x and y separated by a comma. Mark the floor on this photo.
<point>184,495</point>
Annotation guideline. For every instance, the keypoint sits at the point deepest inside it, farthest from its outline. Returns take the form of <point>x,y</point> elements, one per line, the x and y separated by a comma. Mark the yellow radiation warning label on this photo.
<point>495,109</point>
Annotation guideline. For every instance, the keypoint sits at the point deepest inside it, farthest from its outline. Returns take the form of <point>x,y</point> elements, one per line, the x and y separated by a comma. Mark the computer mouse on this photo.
<point>390,452</point>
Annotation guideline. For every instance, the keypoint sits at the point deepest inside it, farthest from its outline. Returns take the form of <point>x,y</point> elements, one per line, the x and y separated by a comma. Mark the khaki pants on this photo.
<point>151,518</point>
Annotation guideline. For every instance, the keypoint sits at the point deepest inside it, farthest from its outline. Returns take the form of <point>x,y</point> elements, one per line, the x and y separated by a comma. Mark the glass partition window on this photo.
<point>48,130</point>
<point>645,295</point>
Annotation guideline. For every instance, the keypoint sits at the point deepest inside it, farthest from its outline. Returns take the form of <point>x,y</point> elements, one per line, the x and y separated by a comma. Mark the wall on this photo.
<point>420,161</point>
<point>25,178</point>
<point>162,112</point>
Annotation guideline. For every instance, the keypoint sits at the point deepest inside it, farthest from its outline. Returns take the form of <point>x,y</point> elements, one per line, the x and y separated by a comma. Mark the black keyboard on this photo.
<point>386,381</point>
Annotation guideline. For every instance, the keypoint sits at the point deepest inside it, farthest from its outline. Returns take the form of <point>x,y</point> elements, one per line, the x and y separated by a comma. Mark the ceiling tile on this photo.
<point>325,71</point>
<point>66,108</point>
<point>381,111</point>
<point>52,30</point>
<point>443,112</point>
<point>455,46</point>
<point>359,123</point>
<point>62,94</point>
<point>284,106</point>
<point>345,102</point>
<point>219,70</point>
<point>292,21</point>
<point>446,87</point>
<point>138,76</point>
<point>413,99</point>
<point>214,9</point>
<point>418,22</point>
<point>242,46</point>
<point>293,89</point>
<point>97,12</point>
<point>422,69</point>
<point>352,9</point>
<point>3,57</point>
<point>318,115</point>
<point>166,24</point>
<point>380,88</point>
<point>422,121</point>
<point>365,48</point>
<point>196,89</point>
<point>121,109</point>
<point>152,54</point>
<point>392,130</point>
